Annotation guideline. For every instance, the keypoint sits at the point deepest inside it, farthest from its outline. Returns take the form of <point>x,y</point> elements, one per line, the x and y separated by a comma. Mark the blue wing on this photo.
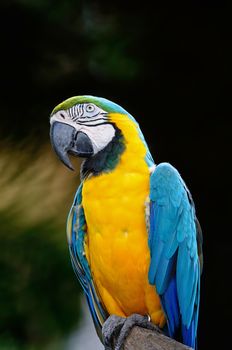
<point>175,242</point>
<point>76,231</point>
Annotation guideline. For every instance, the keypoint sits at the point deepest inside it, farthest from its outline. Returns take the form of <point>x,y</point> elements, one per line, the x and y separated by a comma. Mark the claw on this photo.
<point>111,329</point>
<point>116,329</point>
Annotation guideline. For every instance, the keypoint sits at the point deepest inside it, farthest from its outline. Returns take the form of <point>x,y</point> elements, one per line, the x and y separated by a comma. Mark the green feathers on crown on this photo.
<point>103,103</point>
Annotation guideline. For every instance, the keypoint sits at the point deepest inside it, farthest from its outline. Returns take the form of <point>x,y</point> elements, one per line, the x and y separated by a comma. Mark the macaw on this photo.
<point>134,239</point>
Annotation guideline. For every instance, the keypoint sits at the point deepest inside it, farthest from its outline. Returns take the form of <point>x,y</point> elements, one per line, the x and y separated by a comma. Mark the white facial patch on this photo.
<point>91,120</point>
<point>100,135</point>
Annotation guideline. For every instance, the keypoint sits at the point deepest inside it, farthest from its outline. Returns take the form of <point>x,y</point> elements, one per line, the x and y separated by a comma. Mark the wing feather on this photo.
<point>174,246</point>
<point>76,232</point>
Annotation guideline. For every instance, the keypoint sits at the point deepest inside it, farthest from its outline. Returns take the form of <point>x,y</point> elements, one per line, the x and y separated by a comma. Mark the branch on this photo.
<point>144,339</point>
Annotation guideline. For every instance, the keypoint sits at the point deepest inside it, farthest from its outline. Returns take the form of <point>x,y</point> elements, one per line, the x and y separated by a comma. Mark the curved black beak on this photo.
<point>66,140</point>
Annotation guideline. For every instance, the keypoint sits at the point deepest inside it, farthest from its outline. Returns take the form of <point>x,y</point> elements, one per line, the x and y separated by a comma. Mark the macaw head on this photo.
<point>91,128</point>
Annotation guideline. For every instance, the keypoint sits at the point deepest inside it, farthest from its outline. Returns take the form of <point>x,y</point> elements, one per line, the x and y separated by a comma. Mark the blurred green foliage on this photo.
<point>39,299</point>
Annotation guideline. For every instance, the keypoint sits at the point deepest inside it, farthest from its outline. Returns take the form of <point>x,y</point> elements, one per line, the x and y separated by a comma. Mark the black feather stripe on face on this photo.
<point>77,114</point>
<point>106,159</point>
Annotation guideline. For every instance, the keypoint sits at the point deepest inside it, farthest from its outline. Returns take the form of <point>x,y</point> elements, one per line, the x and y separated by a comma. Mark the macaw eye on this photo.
<point>89,108</point>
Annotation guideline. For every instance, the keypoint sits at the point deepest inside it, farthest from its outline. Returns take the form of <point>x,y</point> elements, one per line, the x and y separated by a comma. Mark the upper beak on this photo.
<point>66,140</point>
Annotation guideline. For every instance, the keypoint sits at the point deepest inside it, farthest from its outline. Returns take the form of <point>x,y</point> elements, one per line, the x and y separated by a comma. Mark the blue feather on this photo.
<point>170,304</point>
<point>189,334</point>
<point>174,266</point>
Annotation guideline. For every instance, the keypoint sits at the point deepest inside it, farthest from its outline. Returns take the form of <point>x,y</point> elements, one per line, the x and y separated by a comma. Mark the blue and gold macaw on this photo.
<point>134,239</point>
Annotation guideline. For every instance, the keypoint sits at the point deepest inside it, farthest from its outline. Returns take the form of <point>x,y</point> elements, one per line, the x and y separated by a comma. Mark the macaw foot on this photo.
<point>116,329</point>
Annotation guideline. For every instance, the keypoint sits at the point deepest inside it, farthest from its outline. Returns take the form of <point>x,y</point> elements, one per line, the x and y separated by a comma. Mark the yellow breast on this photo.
<point>117,238</point>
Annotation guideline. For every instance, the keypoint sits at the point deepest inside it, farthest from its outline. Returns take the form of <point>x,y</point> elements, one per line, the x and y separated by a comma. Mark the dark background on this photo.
<point>169,67</point>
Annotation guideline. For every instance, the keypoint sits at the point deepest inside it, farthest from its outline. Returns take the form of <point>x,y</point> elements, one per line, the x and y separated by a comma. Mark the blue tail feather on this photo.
<point>171,307</point>
<point>176,329</point>
<point>189,334</point>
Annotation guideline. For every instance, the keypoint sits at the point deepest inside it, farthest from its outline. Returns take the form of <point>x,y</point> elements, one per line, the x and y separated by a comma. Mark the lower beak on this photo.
<point>66,140</point>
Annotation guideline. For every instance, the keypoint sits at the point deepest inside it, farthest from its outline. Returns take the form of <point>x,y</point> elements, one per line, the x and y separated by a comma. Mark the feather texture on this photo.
<point>175,266</point>
<point>76,231</point>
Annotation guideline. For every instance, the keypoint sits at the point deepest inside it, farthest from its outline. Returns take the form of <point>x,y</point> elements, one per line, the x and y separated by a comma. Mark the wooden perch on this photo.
<point>144,339</point>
